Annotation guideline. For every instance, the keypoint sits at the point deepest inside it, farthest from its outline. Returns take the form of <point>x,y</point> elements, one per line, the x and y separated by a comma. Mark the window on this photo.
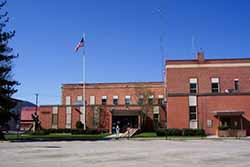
<point>68,100</point>
<point>156,117</point>
<point>193,85</point>
<point>209,123</point>
<point>54,117</point>
<point>215,85</point>
<point>160,99</point>
<point>104,100</point>
<point>151,99</point>
<point>236,85</point>
<point>192,113</point>
<point>79,98</point>
<point>92,100</point>
<point>140,100</point>
<point>127,100</point>
<point>115,100</point>
<point>68,117</point>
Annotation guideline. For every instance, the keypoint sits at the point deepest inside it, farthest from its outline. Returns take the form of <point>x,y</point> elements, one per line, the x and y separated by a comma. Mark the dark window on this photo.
<point>104,101</point>
<point>215,87</point>
<point>193,87</point>
<point>150,100</point>
<point>160,101</point>
<point>156,116</point>
<point>140,101</point>
<point>115,101</point>
<point>127,101</point>
<point>192,112</point>
<point>236,85</point>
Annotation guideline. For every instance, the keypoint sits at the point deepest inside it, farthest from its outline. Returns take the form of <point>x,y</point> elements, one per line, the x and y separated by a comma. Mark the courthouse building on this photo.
<point>198,93</point>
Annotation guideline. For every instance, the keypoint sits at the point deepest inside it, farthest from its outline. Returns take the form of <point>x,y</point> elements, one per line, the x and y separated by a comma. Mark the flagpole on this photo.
<point>84,83</point>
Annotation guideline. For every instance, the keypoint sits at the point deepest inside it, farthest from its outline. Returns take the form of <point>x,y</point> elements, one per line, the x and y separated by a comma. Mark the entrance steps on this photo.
<point>129,133</point>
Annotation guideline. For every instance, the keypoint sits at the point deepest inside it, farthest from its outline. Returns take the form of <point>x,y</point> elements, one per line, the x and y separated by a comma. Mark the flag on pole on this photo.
<point>80,44</point>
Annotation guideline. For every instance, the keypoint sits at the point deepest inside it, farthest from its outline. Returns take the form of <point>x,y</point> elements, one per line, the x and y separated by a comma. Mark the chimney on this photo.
<point>200,57</point>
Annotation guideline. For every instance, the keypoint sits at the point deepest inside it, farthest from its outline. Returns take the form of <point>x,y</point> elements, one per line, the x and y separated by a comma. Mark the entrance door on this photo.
<point>124,121</point>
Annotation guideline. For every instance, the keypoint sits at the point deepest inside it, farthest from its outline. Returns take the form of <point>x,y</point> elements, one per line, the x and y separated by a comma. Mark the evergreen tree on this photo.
<point>7,84</point>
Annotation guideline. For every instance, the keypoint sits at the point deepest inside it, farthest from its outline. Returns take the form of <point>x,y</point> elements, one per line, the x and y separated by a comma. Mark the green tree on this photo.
<point>7,84</point>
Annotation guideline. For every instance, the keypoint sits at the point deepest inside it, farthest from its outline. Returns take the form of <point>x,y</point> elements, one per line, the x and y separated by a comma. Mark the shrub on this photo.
<point>180,132</point>
<point>79,125</point>
<point>41,132</point>
<point>174,132</point>
<point>77,131</point>
<point>193,132</point>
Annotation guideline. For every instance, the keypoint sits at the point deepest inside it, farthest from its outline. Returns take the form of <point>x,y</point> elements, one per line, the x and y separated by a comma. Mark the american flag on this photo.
<point>80,44</point>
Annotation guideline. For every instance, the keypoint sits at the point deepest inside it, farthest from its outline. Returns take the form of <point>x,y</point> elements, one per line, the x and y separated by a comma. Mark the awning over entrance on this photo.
<point>125,112</point>
<point>228,113</point>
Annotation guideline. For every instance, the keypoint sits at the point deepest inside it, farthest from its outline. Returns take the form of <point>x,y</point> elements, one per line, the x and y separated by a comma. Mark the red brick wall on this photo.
<point>178,112</point>
<point>45,116</point>
<point>178,79</point>
<point>110,90</point>
<point>208,104</point>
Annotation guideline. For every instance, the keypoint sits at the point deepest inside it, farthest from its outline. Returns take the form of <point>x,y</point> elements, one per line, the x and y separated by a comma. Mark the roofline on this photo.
<point>106,83</point>
<point>195,60</point>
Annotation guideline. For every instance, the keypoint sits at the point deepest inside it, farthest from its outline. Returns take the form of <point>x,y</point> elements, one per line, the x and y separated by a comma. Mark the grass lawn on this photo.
<point>56,136</point>
<point>153,135</point>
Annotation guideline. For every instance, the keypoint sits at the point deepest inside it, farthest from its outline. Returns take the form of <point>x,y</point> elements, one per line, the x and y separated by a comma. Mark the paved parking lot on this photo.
<point>124,153</point>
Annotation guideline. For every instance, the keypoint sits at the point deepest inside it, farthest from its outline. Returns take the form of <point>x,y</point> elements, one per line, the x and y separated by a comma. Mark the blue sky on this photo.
<point>122,39</point>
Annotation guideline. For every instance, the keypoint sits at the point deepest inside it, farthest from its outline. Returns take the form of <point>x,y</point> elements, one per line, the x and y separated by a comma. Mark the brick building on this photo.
<point>107,104</point>
<point>200,93</point>
<point>208,93</point>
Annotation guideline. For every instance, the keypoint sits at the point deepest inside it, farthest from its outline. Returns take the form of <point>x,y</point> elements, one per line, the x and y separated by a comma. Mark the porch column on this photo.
<point>139,121</point>
<point>110,123</point>
<point>241,123</point>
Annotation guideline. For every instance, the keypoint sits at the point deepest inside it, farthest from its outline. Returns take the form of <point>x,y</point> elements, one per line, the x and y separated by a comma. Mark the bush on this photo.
<point>180,132</point>
<point>193,132</point>
<point>79,125</point>
<point>77,131</point>
<point>161,132</point>
<point>174,132</point>
<point>41,132</point>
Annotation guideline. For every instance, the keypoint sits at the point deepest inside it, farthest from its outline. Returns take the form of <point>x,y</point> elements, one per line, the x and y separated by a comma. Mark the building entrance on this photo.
<point>124,121</point>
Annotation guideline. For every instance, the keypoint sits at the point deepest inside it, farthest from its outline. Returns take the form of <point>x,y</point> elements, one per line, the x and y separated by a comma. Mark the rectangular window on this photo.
<point>104,100</point>
<point>68,100</point>
<point>68,117</point>
<point>193,85</point>
<point>209,123</point>
<point>140,100</point>
<point>79,98</point>
<point>156,117</point>
<point>236,85</point>
<point>54,117</point>
<point>151,99</point>
<point>160,99</point>
<point>215,85</point>
<point>115,100</point>
<point>92,100</point>
<point>192,113</point>
<point>127,100</point>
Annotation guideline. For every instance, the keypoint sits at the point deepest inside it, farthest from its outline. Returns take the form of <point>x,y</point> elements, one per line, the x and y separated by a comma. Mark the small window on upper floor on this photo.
<point>151,99</point>
<point>104,100</point>
<point>193,85</point>
<point>215,85</point>
<point>127,100</point>
<point>115,100</point>
<point>236,85</point>
<point>160,99</point>
<point>140,100</point>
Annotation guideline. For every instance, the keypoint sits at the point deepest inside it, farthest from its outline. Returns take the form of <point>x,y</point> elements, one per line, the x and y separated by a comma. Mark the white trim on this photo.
<point>104,97</point>
<point>115,97</point>
<point>215,80</point>
<point>160,96</point>
<point>127,97</point>
<point>193,80</point>
<point>236,79</point>
<point>208,65</point>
